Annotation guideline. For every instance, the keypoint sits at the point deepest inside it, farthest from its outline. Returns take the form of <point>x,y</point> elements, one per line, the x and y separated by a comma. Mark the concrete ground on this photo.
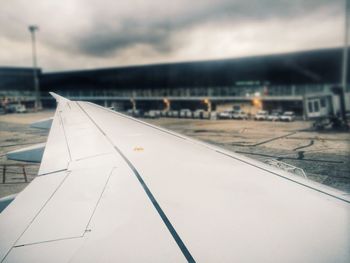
<point>322,155</point>
<point>15,133</point>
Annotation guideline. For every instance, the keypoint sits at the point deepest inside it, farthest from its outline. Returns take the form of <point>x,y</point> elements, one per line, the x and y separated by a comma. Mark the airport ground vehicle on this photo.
<point>327,109</point>
<point>173,114</point>
<point>239,115</point>
<point>185,113</point>
<point>152,114</point>
<point>225,115</point>
<point>16,108</point>
<point>198,114</point>
<point>134,113</point>
<point>275,116</point>
<point>288,116</point>
<point>261,115</point>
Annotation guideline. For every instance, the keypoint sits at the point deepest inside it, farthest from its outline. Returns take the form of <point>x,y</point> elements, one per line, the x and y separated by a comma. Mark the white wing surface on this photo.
<point>114,189</point>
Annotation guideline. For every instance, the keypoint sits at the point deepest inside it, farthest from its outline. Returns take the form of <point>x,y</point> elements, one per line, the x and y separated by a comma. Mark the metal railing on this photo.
<point>286,167</point>
<point>22,167</point>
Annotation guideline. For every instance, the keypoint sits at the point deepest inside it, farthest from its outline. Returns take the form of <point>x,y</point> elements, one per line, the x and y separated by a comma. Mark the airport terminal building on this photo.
<point>17,85</point>
<point>271,82</point>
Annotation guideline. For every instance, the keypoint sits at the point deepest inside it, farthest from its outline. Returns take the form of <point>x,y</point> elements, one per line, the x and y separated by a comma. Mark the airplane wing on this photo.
<point>115,189</point>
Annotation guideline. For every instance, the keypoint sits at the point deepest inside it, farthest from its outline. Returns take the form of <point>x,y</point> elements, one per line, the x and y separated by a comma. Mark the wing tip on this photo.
<point>58,97</point>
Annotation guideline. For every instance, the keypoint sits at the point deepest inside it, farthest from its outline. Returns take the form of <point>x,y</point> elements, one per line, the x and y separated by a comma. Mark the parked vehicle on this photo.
<point>198,114</point>
<point>327,109</point>
<point>185,113</point>
<point>152,114</point>
<point>134,113</point>
<point>239,115</point>
<point>261,115</point>
<point>275,116</point>
<point>288,116</point>
<point>16,108</point>
<point>225,115</point>
<point>173,113</point>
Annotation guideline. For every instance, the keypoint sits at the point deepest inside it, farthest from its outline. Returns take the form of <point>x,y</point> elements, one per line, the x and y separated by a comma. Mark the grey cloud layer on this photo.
<point>98,31</point>
<point>119,31</point>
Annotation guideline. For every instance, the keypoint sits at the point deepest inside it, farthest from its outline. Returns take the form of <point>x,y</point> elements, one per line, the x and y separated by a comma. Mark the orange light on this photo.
<point>167,104</point>
<point>257,102</point>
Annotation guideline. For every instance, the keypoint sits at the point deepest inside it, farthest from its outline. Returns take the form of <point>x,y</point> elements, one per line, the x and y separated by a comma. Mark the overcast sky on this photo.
<point>80,34</point>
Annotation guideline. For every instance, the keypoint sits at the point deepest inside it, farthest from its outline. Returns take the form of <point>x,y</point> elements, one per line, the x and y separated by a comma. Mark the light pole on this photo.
<point>166,104</point>
<point>32,29</point>
<point>345,48</point>
<point>344,77</point>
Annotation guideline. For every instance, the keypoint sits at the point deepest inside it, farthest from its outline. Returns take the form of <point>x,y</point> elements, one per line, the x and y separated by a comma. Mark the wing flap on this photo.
<point>121,221</point>
<point>56,154</point>
<point>15,219</point>
<point>67,213</point>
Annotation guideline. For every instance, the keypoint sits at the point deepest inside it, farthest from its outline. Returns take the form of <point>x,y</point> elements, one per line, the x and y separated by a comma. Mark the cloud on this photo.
<point>89,33</point>
<point>154,25</point>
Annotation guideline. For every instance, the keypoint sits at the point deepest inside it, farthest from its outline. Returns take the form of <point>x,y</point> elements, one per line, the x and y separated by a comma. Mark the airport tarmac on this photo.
<point>323,156</point>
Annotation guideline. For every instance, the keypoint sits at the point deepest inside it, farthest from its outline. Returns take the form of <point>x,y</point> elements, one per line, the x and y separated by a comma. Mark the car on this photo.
<point>288,116</point>
<point>16,108</point>
<point>275,116</point>
<point>239,115</point>
<point>152,114</point>
<point>198,114</point>
<point>261,115</point>
<point>185,113</point>
<point>225,114</point>
<point>134,113</point>
<point>173,113</point>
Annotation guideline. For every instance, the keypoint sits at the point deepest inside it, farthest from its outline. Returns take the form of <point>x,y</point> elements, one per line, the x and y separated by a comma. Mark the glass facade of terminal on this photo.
<point>221,91</point>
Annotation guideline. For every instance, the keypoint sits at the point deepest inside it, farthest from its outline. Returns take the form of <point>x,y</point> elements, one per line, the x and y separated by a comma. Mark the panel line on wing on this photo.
<point>149,194</point>
<point>160,211</point>
<point>98,201</point>
<point>57,171</point>
<point>91,156</point>
<point>36,215</point>
<point>65,136</point>
<point>87,225</point>
<point>72,237</point>
<point>48,241</point>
